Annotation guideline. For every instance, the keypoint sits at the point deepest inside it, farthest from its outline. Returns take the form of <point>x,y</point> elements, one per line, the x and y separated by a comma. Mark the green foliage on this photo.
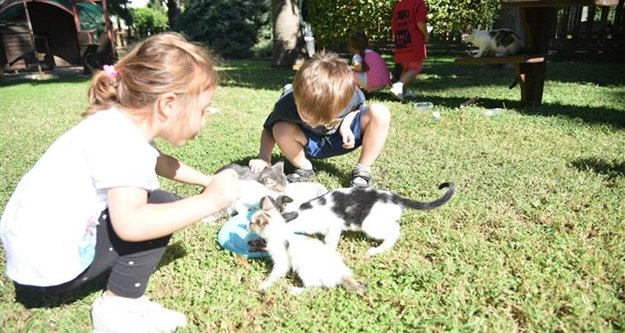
<point>150,21</point>
<point>333,20</point>
<point>230,27</point>
<point>156,4</point>
<point>120,8</point>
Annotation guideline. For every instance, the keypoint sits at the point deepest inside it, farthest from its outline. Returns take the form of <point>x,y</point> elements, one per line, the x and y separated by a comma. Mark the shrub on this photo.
<point>230,27</point>
<point>333,20</point>
<point>149,21</point>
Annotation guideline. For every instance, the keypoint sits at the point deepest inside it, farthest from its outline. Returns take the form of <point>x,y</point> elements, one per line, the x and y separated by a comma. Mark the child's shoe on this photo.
<point>300,175</point>
<point>398,91</point>
<point>361,177</point>
<point>111,314</point>
<point>410,95</point>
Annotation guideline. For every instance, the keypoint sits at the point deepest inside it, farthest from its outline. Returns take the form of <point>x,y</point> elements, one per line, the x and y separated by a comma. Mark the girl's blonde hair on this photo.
<point>323,87</point>
<point>160,64</point>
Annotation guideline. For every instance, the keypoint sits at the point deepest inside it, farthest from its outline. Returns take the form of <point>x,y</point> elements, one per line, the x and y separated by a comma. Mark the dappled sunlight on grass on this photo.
<point>532,240</point>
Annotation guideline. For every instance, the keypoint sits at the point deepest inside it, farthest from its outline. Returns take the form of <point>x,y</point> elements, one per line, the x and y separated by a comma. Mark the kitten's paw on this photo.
<point>296,291</point>
<point>374,251</point>
<point>264,286</point>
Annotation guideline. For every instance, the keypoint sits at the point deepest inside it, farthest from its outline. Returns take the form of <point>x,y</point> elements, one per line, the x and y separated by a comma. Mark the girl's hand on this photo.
<point>257,165</point>
<point>223,188</point>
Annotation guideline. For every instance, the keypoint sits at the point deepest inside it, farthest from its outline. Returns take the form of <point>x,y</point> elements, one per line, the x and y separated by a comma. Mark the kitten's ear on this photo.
<point>290,216</point>
<point>266,203</point>
<point>282,201</point>
<point>279,166</point>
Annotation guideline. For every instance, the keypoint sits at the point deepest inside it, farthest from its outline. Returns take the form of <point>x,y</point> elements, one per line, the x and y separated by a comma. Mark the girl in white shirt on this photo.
<point>112,219</point>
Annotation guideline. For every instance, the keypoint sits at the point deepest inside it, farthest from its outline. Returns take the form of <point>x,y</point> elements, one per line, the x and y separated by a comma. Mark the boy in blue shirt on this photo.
<point>323,114</point>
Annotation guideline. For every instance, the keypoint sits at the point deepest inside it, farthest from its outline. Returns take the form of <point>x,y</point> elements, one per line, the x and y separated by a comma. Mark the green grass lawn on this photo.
<point>533,240</point>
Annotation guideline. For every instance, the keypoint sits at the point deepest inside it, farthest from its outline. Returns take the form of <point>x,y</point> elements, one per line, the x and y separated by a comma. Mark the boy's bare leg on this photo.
<point>291,141</point>
<point>375,125</point>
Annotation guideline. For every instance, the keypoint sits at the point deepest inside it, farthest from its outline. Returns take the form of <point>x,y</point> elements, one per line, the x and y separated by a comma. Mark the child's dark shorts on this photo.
<point>319,147</point>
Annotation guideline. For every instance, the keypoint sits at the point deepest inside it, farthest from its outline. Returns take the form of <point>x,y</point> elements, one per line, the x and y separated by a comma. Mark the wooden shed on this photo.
<point>50,33</point>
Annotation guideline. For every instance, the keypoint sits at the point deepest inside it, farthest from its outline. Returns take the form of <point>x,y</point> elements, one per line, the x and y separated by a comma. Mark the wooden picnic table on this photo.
<point>539,19</point>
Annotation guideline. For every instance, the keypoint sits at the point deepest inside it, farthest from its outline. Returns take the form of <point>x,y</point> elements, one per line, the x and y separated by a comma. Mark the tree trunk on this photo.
<point>173,9</point>
<point>288,41</point>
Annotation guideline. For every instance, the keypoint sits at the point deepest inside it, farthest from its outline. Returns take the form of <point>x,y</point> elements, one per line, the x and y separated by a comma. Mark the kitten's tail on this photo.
<point>451,189</point>
<point>352,285</point>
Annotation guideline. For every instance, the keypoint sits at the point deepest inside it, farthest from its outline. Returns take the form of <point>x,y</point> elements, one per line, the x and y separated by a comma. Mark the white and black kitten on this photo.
<point>316,264</point>
<point>373,211</point>
<point>499,42</point>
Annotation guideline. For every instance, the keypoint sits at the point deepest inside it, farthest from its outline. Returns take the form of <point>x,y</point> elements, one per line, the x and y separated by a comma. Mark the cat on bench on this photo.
<point>499,42</point>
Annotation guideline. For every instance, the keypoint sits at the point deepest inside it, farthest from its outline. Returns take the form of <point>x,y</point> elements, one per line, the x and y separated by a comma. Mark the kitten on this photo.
<point>272,177</point>
<point>270,181</point>
<point>501,42</point>
<point>373,211</point>
<point>316,264</point>
<point>251,193</point>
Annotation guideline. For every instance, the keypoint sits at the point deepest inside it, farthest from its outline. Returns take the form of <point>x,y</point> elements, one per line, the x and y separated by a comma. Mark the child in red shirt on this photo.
<point>410,34</point>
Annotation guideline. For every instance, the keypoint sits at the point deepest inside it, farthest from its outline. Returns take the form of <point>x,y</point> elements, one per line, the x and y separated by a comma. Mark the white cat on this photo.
<point>501,42</point>
<point>316,264</point>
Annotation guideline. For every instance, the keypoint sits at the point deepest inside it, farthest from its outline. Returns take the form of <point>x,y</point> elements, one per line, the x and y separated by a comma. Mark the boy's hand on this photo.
<point>348,138</point>
<point>224,188</point>
<point>257,165</point>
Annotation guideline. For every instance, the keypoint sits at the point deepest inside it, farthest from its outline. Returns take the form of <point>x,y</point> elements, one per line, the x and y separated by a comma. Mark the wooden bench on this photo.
<point>539,22</point>
<point>529,71</point>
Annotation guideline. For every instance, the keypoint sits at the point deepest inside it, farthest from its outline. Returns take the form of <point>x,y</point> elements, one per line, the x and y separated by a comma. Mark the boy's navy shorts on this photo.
<point>319,147</point>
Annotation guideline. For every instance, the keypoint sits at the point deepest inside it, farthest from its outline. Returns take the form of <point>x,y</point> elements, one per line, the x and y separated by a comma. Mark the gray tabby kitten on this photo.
<point>316,264</point>
<point>373,211</point>
<point>272,177</point>
<point>500,42</point>
<point>254,186</point>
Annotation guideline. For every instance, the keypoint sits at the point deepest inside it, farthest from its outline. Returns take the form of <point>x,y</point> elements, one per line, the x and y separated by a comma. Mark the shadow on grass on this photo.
<point>37,297</point>
<point>611,169</point>
<point>590,115</point>
<point>60,75</point>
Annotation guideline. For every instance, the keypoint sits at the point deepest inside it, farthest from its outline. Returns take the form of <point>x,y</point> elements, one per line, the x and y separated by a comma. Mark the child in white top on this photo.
<point>112,218</point>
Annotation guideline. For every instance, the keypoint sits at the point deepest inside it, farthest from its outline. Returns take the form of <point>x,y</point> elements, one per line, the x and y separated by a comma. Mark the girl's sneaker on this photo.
<point>111,314</point>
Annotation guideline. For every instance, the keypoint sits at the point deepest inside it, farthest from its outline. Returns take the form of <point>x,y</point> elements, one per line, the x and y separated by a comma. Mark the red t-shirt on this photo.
<point>409,43</point>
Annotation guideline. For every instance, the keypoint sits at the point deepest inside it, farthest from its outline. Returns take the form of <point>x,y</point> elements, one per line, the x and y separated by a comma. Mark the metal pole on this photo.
<point>32,36</point>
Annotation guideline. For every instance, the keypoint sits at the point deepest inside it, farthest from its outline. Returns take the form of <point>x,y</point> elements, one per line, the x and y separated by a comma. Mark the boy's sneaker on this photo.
<point>111,314</point>
<point>300,175</point>
<point>398,91</point>
<point>410,95</point>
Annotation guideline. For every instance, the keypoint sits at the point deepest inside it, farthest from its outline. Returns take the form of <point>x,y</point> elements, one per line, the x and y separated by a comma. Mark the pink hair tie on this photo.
<point>110,71</point>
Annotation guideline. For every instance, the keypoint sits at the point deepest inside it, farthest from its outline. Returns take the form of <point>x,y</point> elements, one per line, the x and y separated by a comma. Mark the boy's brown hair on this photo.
<point>323,87</point>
